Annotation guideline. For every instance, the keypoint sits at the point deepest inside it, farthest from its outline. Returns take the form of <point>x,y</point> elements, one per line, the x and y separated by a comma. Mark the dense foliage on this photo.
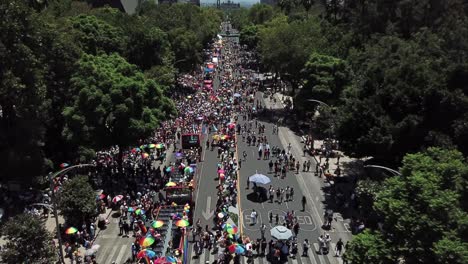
<point>19,232</point>
<point>395,77</point>
<point>60,57</point>
<point>77,201</point>
<point>424,213</point>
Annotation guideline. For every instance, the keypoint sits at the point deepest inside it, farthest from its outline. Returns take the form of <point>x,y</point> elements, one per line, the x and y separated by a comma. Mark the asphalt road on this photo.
<point>304,183</point>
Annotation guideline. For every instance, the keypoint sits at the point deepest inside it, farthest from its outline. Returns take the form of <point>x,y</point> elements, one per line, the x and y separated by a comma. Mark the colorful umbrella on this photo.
<point>117,198</point>
<point>139,211</point>
<point>223,137</point>
<point>157,224</point>
<point>217,137</point>
<point>64,165</point>
<point>188,170</point>
<point>135,150</point>
<point>169,169</point>
<point>231,125</point>
<point>131,209</point>
<point>151,146</point>
<point>171,184</point>
<point>179,155</point>
<point>71,230</point>
<point>146,253</point>
<point>145,155</point>
<point>147,241</point>
<point>182,223</point>
<point>160,146</point>
<point>220,171</point>
<point>236,248</point>
<point>165,260</point>
<point>102,196</point>
<point>231,229</point>
<point>220,215</point>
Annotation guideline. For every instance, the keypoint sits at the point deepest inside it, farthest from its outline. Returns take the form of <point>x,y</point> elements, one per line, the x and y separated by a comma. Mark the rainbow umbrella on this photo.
<point>131,209</point>
<point>146,241</point>
<point>188,170</point>
<point>182,223</point>
<point>236,248</point>
<point>146,253</point>
<point>145,155</point>
<point>151,146</point>
<point>64,165</point>
<point>139,211</point>
<point>159,146</point>
<point>71,230</point>
<point>171,184</point>
<point>231,229</point>
<point>165,260</point>
<point>157,224</point>
<point>216,137</point>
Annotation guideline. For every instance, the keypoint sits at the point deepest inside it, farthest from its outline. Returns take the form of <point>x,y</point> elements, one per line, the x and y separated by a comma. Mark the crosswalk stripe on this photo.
<point>109,259</point>
<point>317,250</point>
<point>293,261</point>
<point>211,257</point>
<point>123,249</point>
<point>101,254</point>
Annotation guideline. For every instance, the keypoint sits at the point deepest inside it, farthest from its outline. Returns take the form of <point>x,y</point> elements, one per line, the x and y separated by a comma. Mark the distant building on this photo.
<point>227,5</point>
<point>269,2</point>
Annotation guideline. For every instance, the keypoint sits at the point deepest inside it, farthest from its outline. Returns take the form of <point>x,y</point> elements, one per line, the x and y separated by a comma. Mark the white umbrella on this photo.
<point>117,198</point>
<point>281,233</point>
<point>91,251</point>
<point>237,95</point>
<point>259,178</point>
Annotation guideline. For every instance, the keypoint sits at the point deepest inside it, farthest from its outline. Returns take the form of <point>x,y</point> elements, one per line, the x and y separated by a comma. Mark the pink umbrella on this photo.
<point>117,198</point>
<point>220,171</point>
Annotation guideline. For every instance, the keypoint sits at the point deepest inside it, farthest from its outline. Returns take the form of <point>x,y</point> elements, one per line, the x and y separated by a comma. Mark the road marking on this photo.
<point>123,249</point>
<point>207,214</point>
<point>199,178</point>
<point>101,254</point>
<point>114,249</point>
<point>302,183</point>
<point>239,210</point>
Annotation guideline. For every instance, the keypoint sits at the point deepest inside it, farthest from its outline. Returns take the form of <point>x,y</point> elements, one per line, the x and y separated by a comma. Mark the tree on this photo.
<point>369,247</point>
<point>148,47</point>
<point>249,36</point>
<point>77,201</point>
<point>27,241</point>
<point>424,210</point>
<point>325,79</point>
<point>187,48</point>
<point>114,104</point>
<point>97,36</point>
<point>22,91</point>
<point>399,99</point>
<point>260,13</point>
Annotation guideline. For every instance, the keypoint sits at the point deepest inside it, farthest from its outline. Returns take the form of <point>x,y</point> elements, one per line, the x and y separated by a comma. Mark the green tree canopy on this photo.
<point>325,79</point>
<point>27,241</point>
<point>97,36</point>
<point>77,201</point>
<point>114,103</point>
<point>249,36</point>
<point>399,100</point>
<point>260,13</point>
<point>424,211</point>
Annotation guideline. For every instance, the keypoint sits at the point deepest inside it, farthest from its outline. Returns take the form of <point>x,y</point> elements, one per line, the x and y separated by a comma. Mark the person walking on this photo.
<point>304,202</point>
<point>305,248</point>
<point>339,248</point>
<point>291,194</point>
<point>253,217</point>
<point>121,226</point>
<point>262,230</point>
